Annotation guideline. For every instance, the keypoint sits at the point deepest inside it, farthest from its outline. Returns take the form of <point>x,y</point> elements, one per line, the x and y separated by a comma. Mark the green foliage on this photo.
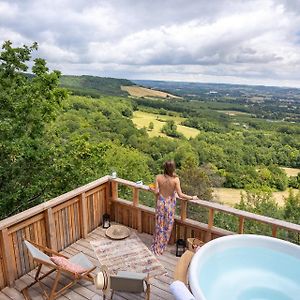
<point>292,207</point>
<point>294,181</point>
<point>151,126</point>
<point>94,86</point>
<point>260,203</point>
<point>195,181</point>
<point>170,129</point>
<point>26,107</point>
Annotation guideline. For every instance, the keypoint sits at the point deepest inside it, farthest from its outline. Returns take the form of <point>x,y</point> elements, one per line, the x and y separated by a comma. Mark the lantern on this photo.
<point>106,221</point>
<point>180,247</point>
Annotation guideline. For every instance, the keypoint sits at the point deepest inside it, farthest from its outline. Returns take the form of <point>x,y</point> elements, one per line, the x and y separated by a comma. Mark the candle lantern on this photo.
<point>180,247</point>
<point>106,221</point>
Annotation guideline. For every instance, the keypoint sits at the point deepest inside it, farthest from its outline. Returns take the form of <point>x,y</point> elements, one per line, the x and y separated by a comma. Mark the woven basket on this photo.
<point>194,243</point>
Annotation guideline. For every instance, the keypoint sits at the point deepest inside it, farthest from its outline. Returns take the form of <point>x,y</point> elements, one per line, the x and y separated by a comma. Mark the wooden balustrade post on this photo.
<point>8,257</point>
<point>83,216</point>
<point>183,209</point>
<point>107,200</point>
<point>241,224</point>
<point>114,197</point>
<point>114,190</point>
<point>138,212</point>
<point>274,230</point>
<point>211,212</point>
<point>135,200</point>
<point>50,229</point>
<point>139,221</point>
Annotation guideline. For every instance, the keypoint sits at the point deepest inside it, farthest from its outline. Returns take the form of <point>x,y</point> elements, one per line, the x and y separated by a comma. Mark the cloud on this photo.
<point>256,41</point>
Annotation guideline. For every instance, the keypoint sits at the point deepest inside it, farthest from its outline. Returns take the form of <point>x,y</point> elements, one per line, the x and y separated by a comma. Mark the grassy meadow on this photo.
<point>291,171</point>
<point>233,112</point>
<point>142,119</point>
<point>138,91</point>
<point>232,196</point>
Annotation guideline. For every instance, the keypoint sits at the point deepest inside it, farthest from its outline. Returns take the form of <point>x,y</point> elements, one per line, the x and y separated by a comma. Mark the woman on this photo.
<point>167,188</point>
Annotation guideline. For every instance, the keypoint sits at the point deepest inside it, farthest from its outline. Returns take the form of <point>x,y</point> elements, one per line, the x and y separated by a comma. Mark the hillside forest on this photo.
<point>60,132</point>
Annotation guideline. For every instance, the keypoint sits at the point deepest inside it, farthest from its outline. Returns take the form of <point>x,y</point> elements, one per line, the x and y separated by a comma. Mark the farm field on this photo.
<point>138,91</point>
<point>233,112</point>
<point>232,196</point>
<point>291,171</point>
<point>142,119</point>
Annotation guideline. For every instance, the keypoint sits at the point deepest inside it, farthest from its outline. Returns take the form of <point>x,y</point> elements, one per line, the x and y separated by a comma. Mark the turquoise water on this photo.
<point>251,273</point>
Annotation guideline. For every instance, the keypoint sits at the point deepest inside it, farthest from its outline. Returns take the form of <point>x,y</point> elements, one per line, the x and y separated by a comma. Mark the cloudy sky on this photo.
<point>234,41</point>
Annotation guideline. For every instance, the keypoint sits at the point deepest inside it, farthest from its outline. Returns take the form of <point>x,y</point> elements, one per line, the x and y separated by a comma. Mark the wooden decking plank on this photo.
<point>76,292</point>
<point>34,292</point>
<point>161,285</point>
<point>4,297</point>
<point>48,283</point>
<point>12,293</point>
<point>84,290</point>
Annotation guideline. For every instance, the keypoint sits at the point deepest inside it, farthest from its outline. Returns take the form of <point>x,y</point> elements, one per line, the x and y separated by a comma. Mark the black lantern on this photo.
<point>180,247</point>
<point>106,220</point>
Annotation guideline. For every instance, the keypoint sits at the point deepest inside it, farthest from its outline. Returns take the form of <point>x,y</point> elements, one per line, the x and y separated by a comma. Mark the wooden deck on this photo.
<point>86,290</point>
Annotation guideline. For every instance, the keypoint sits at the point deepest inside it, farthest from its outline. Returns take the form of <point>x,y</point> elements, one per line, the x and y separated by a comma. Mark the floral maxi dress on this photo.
<point>164,220</point>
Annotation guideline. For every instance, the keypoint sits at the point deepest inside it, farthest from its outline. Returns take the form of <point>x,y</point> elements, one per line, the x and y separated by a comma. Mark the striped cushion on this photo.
<point>67,265</point>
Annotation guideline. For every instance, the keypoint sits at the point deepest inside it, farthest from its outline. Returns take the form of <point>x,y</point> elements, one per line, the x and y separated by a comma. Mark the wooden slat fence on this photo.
<point>56,224</point>
<point>184,227</point>
<point>63,220</point>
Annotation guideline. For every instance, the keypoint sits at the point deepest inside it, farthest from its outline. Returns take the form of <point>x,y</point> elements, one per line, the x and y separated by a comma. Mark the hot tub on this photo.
<point>246,267</point>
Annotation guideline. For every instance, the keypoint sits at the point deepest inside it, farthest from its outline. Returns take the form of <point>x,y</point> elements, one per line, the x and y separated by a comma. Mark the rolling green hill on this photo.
<point>94,86</point>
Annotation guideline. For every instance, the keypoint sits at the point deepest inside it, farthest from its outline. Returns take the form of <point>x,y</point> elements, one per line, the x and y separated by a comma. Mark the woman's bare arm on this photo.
<point>180,193</point>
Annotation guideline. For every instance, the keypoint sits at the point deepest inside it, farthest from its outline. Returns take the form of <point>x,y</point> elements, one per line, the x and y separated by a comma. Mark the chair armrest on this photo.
<point>88,271</point>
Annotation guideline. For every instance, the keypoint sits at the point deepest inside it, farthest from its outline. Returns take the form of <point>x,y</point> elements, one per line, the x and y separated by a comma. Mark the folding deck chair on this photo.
<point>38,254</point>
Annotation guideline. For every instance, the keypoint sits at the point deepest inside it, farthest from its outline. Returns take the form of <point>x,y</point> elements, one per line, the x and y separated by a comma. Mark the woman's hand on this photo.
<point>194,198</point>
<point>152,188</point>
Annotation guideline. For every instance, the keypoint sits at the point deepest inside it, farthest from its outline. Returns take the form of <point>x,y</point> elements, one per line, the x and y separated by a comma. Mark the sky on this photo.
<point>221,41</point>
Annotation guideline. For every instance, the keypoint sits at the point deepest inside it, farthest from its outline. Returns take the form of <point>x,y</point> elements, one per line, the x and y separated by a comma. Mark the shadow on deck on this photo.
<point>85,290</point>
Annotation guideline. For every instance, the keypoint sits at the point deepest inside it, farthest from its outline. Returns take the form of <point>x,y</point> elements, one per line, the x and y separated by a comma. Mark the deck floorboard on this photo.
<point>85,290</point>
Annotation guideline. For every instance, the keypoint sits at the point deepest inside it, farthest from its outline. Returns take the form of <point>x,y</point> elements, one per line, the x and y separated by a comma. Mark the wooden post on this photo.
<point>241,224</point>
<point>114,197</point>
<point>50,229</point>
<point>183,208</point>
<point>274,230</point>
<point>114,191</point>
<point>136,210</point>
<point>107,200</point>
<point>210,224</point>
<point>83,216</point>
<point>135,201</point>
<point>211,218</point>
<point>139,220</point>
<point>7,256</point>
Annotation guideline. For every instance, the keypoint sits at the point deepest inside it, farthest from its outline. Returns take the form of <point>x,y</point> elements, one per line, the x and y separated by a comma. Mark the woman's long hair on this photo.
<point>169,168</point>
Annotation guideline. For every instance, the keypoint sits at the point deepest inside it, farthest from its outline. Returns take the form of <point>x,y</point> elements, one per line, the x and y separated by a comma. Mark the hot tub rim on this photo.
<point>238,240</point>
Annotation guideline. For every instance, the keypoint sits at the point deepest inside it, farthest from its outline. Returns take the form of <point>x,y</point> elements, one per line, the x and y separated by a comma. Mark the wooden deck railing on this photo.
<point>65,219</point>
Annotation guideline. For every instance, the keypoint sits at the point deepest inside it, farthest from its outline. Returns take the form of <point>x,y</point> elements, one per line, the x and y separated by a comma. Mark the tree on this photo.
<point>27,105</point>
<point>170,129</point>
<point>292,207</point>
<point>151,126</point>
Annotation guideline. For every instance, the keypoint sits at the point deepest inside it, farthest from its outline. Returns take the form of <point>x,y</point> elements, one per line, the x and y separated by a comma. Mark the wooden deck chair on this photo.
<point>38,254</point>
<point>130,282</point>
